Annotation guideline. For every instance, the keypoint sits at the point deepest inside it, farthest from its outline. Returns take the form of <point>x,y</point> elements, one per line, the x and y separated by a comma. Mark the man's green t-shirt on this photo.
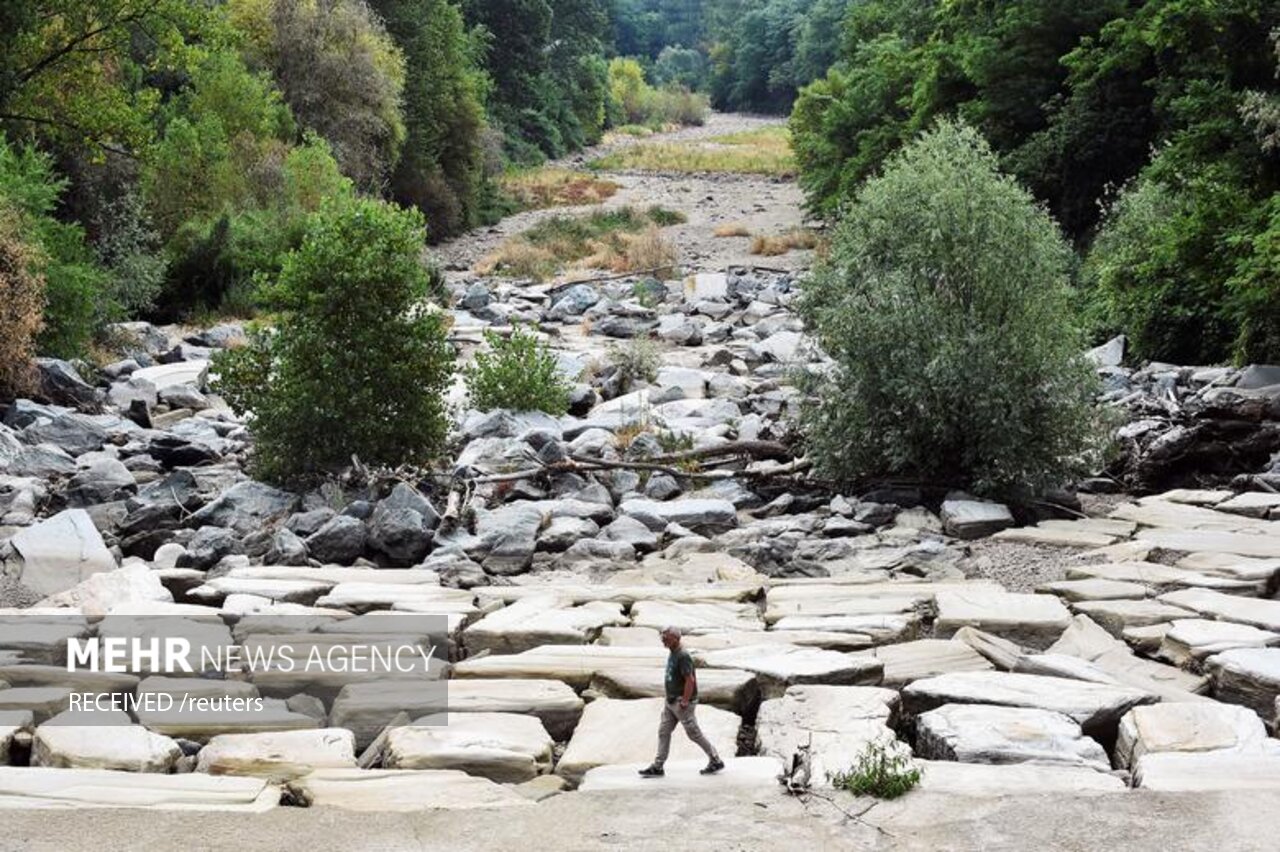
<point>679,667</point>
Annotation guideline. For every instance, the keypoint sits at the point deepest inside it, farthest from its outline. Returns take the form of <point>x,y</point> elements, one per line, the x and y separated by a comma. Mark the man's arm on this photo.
<point>690,684</point>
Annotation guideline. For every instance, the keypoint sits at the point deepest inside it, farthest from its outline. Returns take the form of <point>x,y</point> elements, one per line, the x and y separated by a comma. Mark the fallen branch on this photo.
<point>760,450</point>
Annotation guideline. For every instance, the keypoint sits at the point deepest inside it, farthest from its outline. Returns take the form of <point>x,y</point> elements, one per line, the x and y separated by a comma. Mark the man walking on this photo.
<point>682,701</point>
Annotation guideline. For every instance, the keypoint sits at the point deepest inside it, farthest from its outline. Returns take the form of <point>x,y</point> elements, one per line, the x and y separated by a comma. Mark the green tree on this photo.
<point>440,170</point>
<point>945,307</point>
<point>340,73</point>
<point>359,362</point>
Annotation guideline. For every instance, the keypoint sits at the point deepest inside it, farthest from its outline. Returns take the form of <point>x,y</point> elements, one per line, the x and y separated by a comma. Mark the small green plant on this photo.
<point>518,373</point>
<point>636,361</point>
<point>883,770</point>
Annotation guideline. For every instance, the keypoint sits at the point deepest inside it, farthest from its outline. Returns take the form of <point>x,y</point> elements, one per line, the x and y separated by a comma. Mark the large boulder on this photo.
<point>61,552</point>
<point>278,755</point>
<point>1248,676</point>
<point>339,540</point>
<point>246,507</point>
<point>506,747</point>
<point>508,536</point>
<point>1187,727</point>
<point>401,525</point>
<point>102,741</point>
<point>973,734</point>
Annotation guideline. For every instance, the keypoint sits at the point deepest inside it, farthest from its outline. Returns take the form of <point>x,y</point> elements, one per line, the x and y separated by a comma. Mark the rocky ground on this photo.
<point>1113,650</point>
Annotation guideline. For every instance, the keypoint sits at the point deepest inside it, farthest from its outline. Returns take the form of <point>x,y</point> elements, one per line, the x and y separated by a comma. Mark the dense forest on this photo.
<point>159,158</point>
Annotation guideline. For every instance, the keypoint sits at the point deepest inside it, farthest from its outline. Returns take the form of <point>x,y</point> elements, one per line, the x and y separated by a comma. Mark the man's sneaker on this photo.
<point>652,771</point>
<point>713,767</point>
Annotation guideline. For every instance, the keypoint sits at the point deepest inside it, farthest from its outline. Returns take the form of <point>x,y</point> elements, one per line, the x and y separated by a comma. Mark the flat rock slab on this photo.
<point>911,661</point>
<point>781,666</point>
<point>402,790</point>
<point>1031,620</point>
<point>1265,571</point>
<point>366,708</point>
<point>61,552</point>
<point>696,617</point>
<point>974,518</point>
<point>1248,676</point>
<point>684,775</point>
<point>1096,707</point>
<point>572,664</point>
<point>1159,577</point>
<point>536,621</point>
<point>1219,770</point>
<point>280,755</point>
<point>1170,517</point>
<point>625,594</point>
<point>365,596</point>
<point>879,629</point>
<point>1085,536</point>
<point>1116,616</point>
<point>971,733</point>
<point>1112,657</point>
<point>731,689</point>
<point>79,740</point>
<point>1258,613</point>
<point>505,747</point>
<point>1094,589</point>
<point>829,708</point>
<point>1192,640</point>
<point>1254,504</point>
<point>202,725</point>
<point>1183,727</point>
<point>22,787</point>
<point>828,639</point>
<point>625,732</point>
<point>1208,541</point>
<point>42,702</point>
<point>1019,779</point>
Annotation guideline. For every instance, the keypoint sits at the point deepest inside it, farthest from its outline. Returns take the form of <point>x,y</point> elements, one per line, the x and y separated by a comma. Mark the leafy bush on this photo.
<point>883,770</point>
<point>75,300</point>
<point>21,300</point>
<point>635,102</point>
<point>359,361</point>
<point>518,373</point>
<point>945,307</point>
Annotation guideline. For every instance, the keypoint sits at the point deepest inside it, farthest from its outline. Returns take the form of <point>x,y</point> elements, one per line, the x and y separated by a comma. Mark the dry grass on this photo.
<point>766,151</point>
<point>619,240</point>
<point>628,432</point>
<point>553,187</point>
<point>772,246</point>
<point>733,229</point>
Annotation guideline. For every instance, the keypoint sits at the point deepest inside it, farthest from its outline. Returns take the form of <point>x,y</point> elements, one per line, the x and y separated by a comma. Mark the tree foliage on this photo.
<point>945,307</point>
<point>358,362</point>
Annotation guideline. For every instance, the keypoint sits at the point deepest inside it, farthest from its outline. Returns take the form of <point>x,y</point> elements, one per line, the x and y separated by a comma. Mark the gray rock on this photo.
<point>338,541</point>
<point>563,532</point>
<point>476,298</point>
<point>75,434</point>
<point>700,515</point>
<point>184,396</point>
<point>207,547</point>
<point>61,552</point>
<point>508,537</point>
<point>104,480</point>
<point>967,518</point>
<point>574,302</point>
<point>306,523</point>
<point>401,525</point>
<point>44,461</point>
<point>139,338</point>
<point>621,327</point>
<point>593,550</point>
<point>60,384</point>
<point>975,734</point>
<point>286,549</point>
<point>247,506</point>
<point>633,532</point>
<point>124,393</point>
<point>661,486</point>
<point>1109,354</point>
<point>681,330</point>
<point>1256,376</point>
